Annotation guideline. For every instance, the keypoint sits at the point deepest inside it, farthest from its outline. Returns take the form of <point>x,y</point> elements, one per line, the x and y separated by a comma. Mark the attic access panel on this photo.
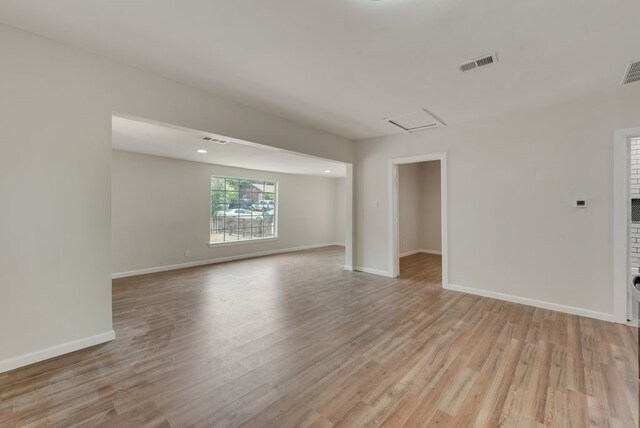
<point>415,121</point>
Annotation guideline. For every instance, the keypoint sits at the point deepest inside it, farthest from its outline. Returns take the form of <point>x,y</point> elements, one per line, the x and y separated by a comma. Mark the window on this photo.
<point>242,210</point>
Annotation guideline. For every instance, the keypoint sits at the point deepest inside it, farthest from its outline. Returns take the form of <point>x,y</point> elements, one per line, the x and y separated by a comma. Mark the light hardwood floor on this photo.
<point>292,340</point>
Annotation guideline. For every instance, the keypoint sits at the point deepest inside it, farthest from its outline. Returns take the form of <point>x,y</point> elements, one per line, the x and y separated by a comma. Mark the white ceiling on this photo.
<point>181,143</point>
<point>344,65</point>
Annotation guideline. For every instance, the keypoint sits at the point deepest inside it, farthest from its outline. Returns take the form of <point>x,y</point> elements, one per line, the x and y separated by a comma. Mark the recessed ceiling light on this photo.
<point>327,171</point>
<point>203,151</point>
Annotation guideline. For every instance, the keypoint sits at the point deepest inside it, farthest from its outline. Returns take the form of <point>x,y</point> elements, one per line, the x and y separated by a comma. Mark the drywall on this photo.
<point>160,208</point>
<point>512,185</point>
<point>55,180</point>
<point>340,210</point>
<point>430,228</point>
<point>419,227</point>
<point>409,204</point>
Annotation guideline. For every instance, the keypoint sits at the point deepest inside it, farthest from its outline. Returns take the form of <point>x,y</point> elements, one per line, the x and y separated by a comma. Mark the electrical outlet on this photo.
<point>187,253</point>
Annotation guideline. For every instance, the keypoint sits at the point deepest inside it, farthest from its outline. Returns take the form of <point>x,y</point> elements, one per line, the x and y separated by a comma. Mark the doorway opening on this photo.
<point>182,197</point>
<point>633,225</point>
<point>418,218</point>
<point>626,224</point>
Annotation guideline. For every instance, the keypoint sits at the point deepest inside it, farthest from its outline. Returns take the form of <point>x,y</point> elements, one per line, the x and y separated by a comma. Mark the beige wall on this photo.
<point>160,208</point>
<point>430,206</point>
<point>419,215</point>
<point>409,204</point>
<point>55,181</point>
<point>512,182</point>
<point>340,210</point>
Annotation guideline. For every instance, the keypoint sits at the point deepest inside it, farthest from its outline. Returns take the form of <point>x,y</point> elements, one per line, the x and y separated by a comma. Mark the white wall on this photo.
<point>55,179</point>
<point>160,208</point>
<point>512,183</point>
<point>430,215</point>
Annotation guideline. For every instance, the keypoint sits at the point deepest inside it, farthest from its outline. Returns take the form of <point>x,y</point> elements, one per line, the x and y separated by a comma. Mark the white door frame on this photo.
<point>621,208</point>
<point>394,248</point>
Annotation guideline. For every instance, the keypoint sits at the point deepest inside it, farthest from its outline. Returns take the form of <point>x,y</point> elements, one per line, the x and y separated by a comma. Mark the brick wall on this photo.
<point>635,193</point>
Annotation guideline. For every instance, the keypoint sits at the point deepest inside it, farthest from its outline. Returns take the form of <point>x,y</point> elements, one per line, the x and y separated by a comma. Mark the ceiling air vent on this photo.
<point>415,121</point>
<point>215,140</point>
<point>468,66</point>
<point>632,74</point>
<point>478,62</point>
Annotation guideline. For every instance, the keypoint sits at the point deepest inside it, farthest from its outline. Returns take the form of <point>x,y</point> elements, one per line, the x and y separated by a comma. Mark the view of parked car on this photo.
<point>263,205</point>
<point>238,213</point>
<point>243,214</point>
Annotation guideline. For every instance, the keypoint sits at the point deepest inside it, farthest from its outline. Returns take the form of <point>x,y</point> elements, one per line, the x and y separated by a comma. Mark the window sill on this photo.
<point>246,241</point>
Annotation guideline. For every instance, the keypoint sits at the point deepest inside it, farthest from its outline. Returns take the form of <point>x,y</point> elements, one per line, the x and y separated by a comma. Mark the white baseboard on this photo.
<point>420,250</point>
<point>373,271</point>
<point>219,260</point>
<point>55,351</point>
<point>409,253</point>
<point>437,252</point>
<point>347,267</point>
<point>532,302</point>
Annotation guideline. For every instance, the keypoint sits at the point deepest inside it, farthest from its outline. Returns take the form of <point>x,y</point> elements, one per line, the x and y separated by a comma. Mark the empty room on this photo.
<point>355,213</point>
<point>418,209</point>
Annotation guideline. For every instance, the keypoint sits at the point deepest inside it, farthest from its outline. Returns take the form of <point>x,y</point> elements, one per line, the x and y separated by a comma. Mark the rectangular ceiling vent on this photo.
<point>415,121</point>
<point>215,140</point>
<point>478,62</point>
<point>632,74</point>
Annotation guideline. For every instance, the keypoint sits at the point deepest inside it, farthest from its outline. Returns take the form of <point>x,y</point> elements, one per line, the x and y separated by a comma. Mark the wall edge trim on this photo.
<point>373,271</point>
<point>420,250</point>
<point>55,351</point>
<point>177,266</point>
<point>532,302</point>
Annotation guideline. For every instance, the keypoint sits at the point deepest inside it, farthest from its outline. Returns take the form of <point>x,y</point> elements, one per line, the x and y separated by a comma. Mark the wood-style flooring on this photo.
<point>293,340</point>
